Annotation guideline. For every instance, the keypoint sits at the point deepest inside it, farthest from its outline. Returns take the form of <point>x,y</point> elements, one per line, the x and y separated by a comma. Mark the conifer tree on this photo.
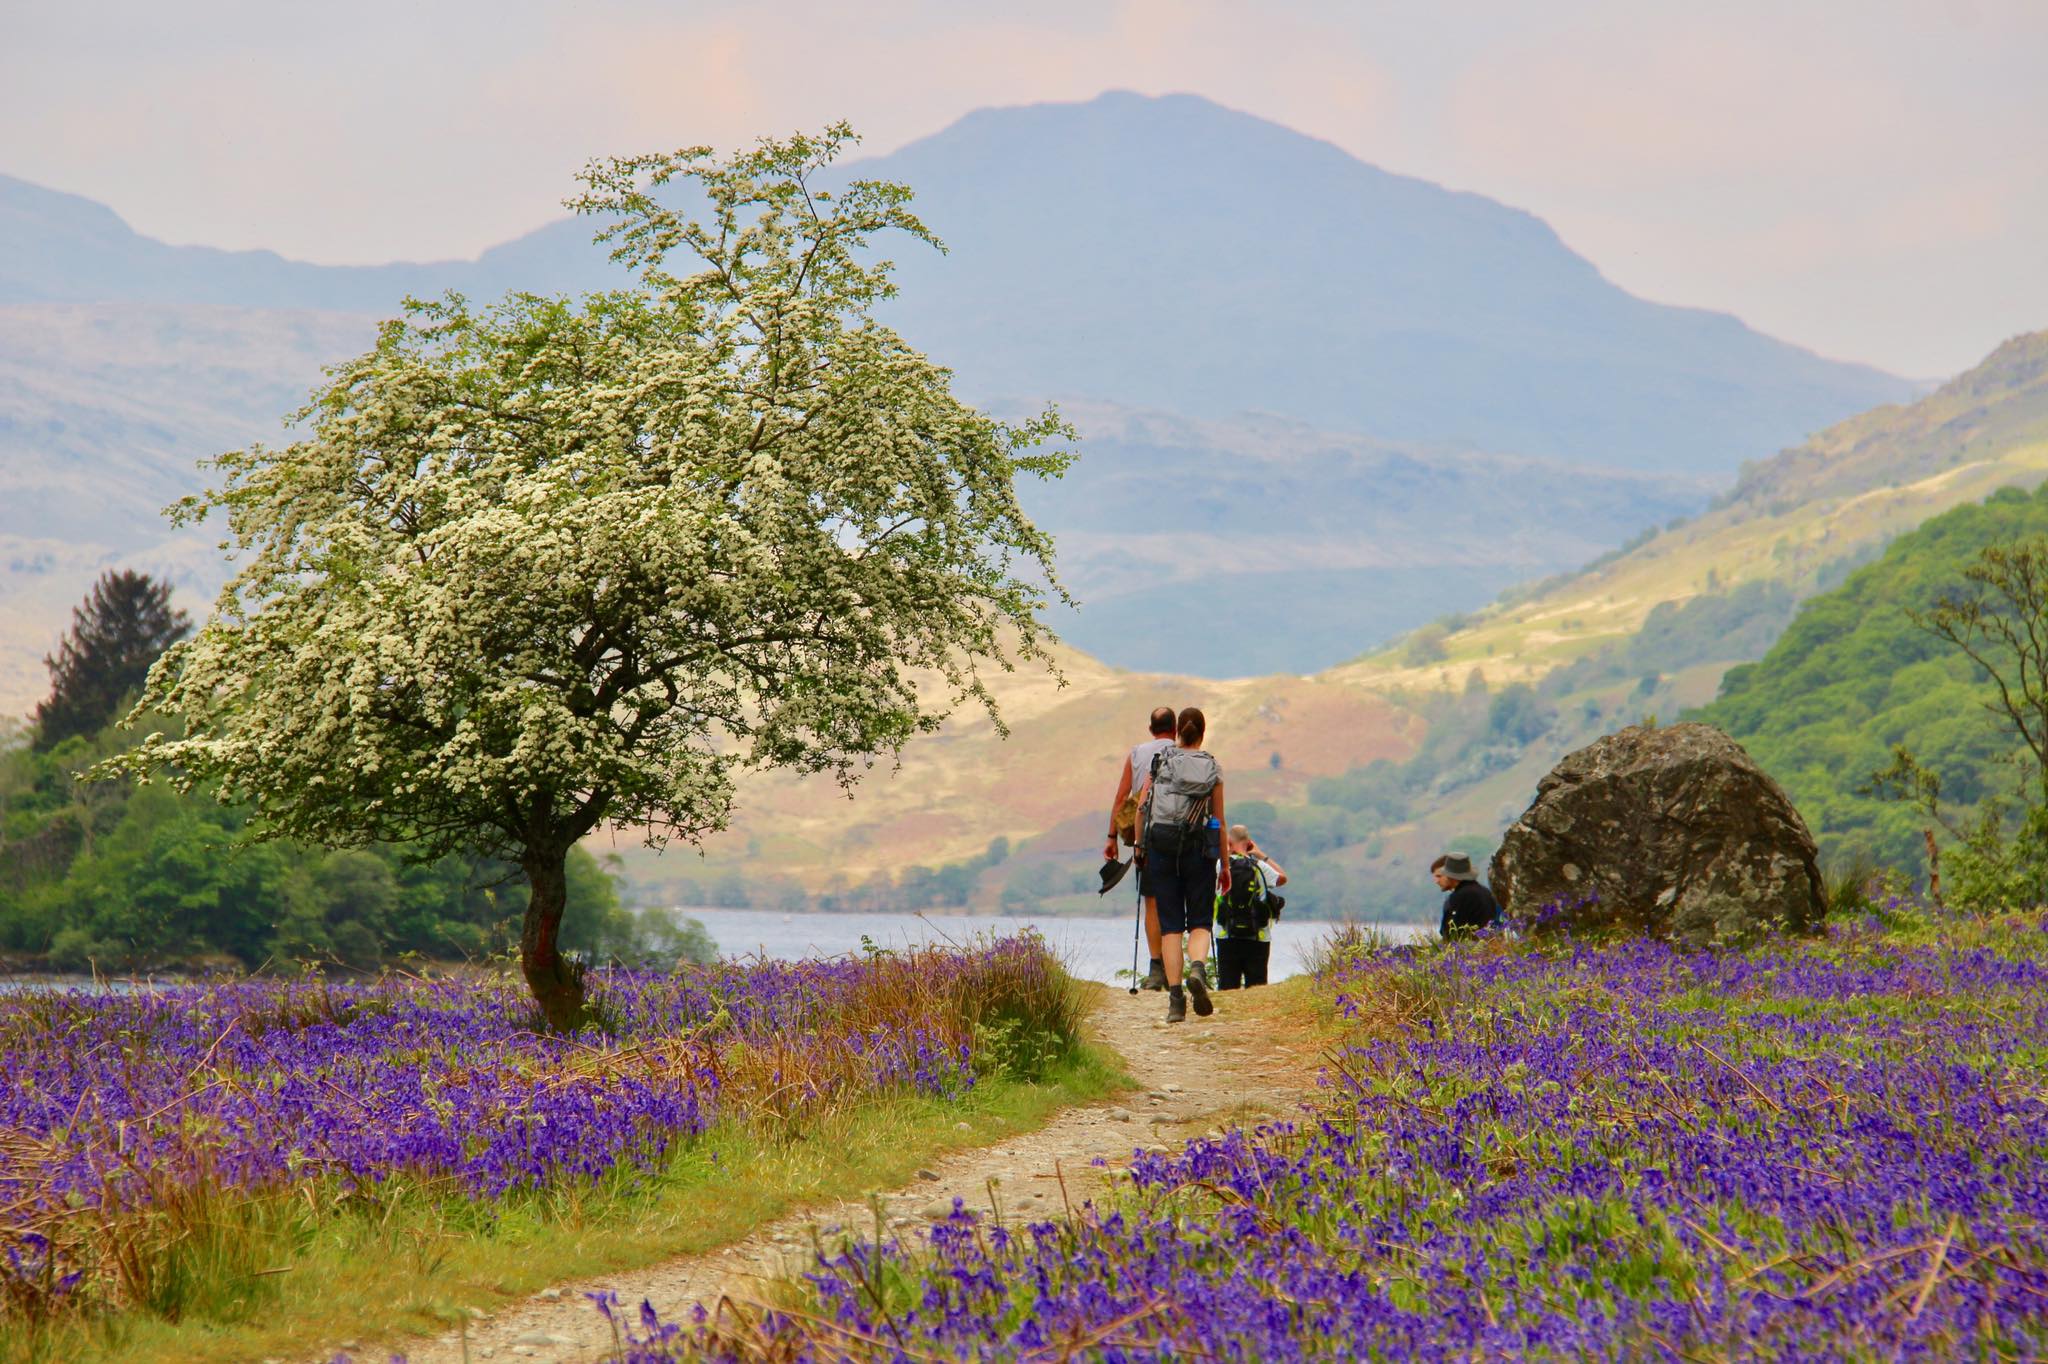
<point>116,634</point>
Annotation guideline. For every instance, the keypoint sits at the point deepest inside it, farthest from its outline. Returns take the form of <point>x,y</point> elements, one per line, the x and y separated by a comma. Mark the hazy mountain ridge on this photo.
<point>1321,287</point>
<point>1331,541</point>
<point>65,248</point>
<point>1165,253</point>
<point>105,410</point>
<point>1979,414</point>
<point>1791,519</point>
<point>1325,540</point>
<point>1238,266</point>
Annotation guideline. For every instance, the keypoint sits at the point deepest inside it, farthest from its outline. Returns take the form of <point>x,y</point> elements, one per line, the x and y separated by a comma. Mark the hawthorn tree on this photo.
<point>553,564</point>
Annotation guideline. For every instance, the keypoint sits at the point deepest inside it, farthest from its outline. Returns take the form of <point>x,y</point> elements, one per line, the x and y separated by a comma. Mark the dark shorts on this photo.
<point>1185,885</point>
<point>1145,878</point>
<point>1241,961</point>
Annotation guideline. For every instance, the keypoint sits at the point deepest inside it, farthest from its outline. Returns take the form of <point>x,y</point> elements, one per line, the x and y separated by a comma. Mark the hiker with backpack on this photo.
<point>1246,912</point>
<point>1181,813</point>
<point>1123,827</point>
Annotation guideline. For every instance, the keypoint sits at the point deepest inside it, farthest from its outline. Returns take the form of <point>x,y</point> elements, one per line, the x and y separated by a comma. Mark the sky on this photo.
<point>1868,178</point>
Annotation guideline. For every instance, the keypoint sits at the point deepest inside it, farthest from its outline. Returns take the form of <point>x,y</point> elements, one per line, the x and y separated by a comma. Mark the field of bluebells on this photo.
<point>135,1122</point>
<point>1834,1149</point>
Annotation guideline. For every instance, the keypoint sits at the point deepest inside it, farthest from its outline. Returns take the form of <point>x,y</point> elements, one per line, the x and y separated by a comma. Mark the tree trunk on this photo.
<point>557,985</point>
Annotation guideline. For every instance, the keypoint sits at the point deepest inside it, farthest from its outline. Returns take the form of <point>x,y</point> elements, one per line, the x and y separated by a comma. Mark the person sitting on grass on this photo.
<point>1470,906</point>
<point>1244,916</point>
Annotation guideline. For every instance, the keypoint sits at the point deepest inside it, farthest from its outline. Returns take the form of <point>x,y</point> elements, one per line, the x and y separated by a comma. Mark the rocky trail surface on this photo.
<point>1248,1061</point>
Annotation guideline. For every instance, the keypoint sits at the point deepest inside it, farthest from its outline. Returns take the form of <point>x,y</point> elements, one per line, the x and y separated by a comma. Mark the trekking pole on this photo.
<point>1137,928</point>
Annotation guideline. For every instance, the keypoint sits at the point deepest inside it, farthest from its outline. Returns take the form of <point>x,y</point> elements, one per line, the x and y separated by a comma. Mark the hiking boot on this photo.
<point>1155,979</point>
<point>1176,1004</point>
<point>1198,986</point>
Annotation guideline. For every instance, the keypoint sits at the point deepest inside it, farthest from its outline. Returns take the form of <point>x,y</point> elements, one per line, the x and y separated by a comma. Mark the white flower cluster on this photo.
<point>553,563</point>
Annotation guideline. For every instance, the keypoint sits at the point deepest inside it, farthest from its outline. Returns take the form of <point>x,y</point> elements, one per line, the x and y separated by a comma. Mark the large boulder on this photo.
<point>1669,831</point>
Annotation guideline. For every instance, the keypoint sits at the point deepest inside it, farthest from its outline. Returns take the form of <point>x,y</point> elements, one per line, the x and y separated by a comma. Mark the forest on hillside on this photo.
<point>1858,677</point>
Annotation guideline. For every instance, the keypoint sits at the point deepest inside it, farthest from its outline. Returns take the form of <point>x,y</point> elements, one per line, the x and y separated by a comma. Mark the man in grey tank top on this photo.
<point>1137,765</point>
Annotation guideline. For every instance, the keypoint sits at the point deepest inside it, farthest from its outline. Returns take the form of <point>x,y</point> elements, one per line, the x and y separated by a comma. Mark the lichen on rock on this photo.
<point>1673,832</point>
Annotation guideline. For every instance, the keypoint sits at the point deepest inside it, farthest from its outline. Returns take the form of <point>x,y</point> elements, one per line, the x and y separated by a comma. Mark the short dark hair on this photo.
<point>1192,726</point>
<point>1438,865</point>
<point>1162,720</point>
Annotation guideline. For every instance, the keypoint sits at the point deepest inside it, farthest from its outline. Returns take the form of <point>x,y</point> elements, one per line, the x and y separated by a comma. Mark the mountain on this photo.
<point>1174,255</point>
<point>1314,541</point>
<point>64,248</point>
<point>1800,520</point>
<point>1317,541</point>
<point>1170,253</point>
<point>1224,304</point>
<point>105,410</point>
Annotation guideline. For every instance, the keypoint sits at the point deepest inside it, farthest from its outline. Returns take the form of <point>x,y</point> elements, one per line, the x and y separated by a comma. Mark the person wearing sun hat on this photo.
<point>1469,906</point>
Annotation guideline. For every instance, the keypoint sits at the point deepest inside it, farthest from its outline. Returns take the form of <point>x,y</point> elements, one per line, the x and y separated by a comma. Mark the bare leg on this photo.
<point>1169,949</point>
<point>1152,924</point>
<point>1198,946</point>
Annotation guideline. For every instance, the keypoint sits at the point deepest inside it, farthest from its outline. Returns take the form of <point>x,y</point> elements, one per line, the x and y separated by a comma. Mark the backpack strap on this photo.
<point>1144,815</point>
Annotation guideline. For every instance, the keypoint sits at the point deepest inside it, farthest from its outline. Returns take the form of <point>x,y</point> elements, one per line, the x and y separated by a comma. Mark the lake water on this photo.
<point>1094,949</point>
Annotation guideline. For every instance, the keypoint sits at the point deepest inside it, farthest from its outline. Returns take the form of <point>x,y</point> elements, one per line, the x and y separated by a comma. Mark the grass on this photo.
<point>194,1269</point>
<point>1820,1149</point>
<point>419,1269</point>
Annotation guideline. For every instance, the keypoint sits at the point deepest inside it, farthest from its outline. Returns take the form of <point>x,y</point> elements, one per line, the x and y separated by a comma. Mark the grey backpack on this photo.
<point>1183,780</point>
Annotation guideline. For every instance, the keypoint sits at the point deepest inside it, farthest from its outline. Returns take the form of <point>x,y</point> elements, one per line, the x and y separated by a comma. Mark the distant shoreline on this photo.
<point>1123,911</point>
<point>1104,929</point>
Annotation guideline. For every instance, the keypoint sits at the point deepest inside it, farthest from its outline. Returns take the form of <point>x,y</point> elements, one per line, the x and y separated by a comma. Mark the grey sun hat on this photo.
<point>1458,867</point>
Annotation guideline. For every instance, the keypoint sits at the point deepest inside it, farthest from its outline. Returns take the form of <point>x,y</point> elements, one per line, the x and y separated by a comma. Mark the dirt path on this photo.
<point>1243,1063</point>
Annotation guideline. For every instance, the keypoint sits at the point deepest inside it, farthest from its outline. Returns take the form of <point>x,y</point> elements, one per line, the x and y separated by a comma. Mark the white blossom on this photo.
<point>553,563</point>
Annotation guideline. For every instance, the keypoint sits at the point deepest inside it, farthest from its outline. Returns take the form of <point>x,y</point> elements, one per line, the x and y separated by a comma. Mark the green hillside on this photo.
<point>1651,631</point>
<point>1853,676</point>
<point>1798,519</point>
